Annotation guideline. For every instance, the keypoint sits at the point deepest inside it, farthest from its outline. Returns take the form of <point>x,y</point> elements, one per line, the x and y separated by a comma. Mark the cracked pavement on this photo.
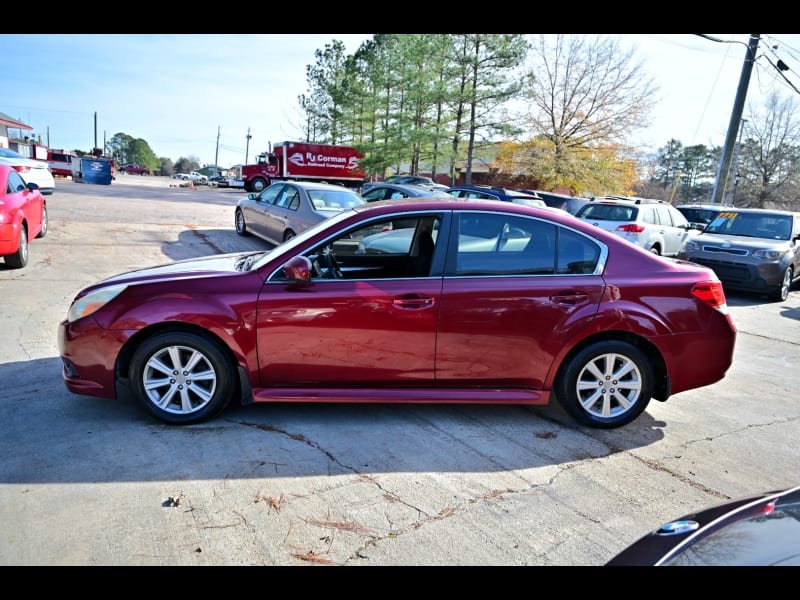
<point>86,481</point>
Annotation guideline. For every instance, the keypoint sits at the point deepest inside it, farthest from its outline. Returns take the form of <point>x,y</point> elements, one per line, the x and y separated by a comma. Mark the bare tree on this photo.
<point>769,159</point>
<point>586,95</point>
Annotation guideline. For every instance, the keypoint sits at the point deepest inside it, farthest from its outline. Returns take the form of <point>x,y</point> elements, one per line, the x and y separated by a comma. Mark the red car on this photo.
<point>132,169</point>
<point>423,300</point>
<point>23,216</point>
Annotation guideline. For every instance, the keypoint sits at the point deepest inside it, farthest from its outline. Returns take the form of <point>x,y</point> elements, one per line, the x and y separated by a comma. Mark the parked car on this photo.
<point>751,250</point>
<point>31,170</point>
<point>62,163</point>
<point>757,531</point>
<point>286,208</point>
<point>488,302</point>
<point>654,225</point>
<point>488,192</point>
<point>392,191</point>
<point>23,216</point>
<point>407,180</point>
<point>571,204</point>
<point>195,177</point>
<point>699,215</point>
<point>134,169</point>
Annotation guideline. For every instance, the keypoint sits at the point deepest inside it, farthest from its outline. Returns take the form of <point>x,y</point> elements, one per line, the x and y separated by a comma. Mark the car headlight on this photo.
<point>767,254</point>
<point>691,247</point>
<point>85,306</point>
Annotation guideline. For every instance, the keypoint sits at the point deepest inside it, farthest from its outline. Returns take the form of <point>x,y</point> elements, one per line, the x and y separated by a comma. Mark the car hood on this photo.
<point>740,241</point>
<point>190,268</point>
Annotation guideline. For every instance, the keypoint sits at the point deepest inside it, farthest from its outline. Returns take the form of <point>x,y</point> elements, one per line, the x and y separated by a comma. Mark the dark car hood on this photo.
<point>193,267</point>
<point>741,241</point>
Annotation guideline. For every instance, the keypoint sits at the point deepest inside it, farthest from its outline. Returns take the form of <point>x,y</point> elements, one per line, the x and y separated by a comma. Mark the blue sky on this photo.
<point>197,94</point>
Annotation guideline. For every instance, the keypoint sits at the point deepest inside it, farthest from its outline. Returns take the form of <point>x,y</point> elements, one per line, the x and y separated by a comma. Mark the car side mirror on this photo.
<point>298,269</point>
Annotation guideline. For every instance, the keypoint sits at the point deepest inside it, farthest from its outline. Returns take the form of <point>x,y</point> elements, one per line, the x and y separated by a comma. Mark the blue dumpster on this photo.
<point>94,170</point>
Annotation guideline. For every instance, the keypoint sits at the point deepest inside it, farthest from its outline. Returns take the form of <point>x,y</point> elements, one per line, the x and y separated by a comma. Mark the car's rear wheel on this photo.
<point>241,226</point>
<point>20,258</point>
<point>289,234</point>
<point>182,378</point>
<point>606,385</point>
<point>781,293</point>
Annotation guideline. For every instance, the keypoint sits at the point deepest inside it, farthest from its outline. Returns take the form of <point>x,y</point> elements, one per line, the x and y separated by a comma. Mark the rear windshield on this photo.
<point>608,212</point>
<point>699,215</point>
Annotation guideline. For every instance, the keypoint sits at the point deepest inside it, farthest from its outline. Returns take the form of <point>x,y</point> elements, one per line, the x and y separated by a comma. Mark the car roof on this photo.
<point>448,202</point>
<point>703,205</point>
<point>8,153</point>
<point>625,200</point>
<point>316,185</point>
<point>423,190</point>
<point>493,189</point>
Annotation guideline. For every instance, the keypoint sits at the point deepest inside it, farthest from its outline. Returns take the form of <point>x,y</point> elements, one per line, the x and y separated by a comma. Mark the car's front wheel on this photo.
<point>606,385</point>
<point>182,378</point>
<point>781,293</point>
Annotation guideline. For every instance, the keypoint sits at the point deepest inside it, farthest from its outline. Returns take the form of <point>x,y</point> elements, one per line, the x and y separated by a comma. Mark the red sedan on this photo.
<point>23,216</point>
<point>421,300</point>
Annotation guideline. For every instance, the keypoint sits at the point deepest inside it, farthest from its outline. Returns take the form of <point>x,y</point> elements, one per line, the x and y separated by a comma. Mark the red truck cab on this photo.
<point>133,169</point>
<point>303,161</point>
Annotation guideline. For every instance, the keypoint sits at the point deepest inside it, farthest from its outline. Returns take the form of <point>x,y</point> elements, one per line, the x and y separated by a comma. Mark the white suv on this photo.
<point>655,225</point>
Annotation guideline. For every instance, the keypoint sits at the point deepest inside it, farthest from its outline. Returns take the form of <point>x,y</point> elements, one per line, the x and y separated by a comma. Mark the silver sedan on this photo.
<point>286,208</point>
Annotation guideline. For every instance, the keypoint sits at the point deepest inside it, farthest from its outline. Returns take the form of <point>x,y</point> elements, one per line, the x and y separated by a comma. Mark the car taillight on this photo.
<point>21,168</point>
<point>710,292</point>
<point>631,228</point>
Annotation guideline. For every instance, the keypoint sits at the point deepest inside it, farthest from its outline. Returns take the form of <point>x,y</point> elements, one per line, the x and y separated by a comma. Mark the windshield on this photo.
<point>334,199</point>
<point>288,245</point>
<point>759,225</point>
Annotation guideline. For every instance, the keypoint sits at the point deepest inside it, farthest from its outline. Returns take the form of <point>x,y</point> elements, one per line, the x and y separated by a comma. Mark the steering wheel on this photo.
<point>334,271</point>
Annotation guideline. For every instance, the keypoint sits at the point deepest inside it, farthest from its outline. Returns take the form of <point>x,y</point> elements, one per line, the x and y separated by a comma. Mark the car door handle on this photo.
<point>569,298</point>
<point>412,301</point>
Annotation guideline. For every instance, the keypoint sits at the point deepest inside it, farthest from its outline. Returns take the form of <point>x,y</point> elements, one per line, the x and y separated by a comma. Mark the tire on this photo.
<point>781,293</point>
<point>20,258</point>
<point>241,226</point>
<point>289,234</point>
<point>590,393</point>
<point>257,185</point>
<point>201,386</point>
<point>43,231</point>
<point>655,250</point>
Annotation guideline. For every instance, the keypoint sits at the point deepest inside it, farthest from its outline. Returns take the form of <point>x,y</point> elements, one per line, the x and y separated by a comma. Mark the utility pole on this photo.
<point>216,154</point>
<point>735,163</point>
<point>723,171</point>
<point>247,148</point>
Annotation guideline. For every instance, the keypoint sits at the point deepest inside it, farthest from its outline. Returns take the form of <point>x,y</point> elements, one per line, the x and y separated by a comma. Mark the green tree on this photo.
<point>187,164</point>
<point>487,79</point>
<point>127,149</point>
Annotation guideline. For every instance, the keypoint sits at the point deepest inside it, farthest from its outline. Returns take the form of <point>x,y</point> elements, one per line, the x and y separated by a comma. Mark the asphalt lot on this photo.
<point>85,481</point>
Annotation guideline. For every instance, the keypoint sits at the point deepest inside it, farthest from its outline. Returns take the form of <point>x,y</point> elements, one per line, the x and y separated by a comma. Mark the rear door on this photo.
<point>517,291</point>
<point>674,229</point>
